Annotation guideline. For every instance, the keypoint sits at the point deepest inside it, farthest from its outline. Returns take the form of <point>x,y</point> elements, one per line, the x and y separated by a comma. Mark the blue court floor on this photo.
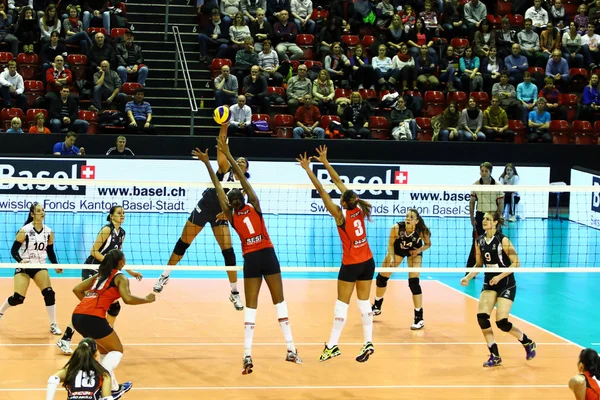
<point>565,304</point>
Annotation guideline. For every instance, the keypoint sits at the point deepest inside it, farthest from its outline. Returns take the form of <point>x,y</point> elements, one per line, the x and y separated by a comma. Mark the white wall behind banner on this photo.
<point>143,197</point>
<point>585,207</point>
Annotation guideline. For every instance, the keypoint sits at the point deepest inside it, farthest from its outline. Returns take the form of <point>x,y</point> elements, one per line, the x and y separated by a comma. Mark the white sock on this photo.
<point>51,310</point>
<point>284,323</point>
<point>166,273</point>
<point>249,323</point>
<point>340,313</point>
<point>5,306</point>
<point>234,288</point>
<point>111,362</point>
<point>367,319</point>
<point>378,298</point>
<point>418,309</point>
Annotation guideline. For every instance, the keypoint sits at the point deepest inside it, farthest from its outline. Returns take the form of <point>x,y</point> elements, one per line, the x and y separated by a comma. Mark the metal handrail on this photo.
<point>166,19</point>
<point>181,61</point>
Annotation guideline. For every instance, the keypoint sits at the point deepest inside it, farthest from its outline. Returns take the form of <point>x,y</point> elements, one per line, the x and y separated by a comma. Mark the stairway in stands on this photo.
<point>170,106</point>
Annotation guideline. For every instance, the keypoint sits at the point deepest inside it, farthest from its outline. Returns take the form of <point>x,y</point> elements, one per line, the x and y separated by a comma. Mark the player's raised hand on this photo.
<point>222,145</point>
<point>201,156</point>
<point>304,161</point>
<point>151,298</point>
<point>321,153</point>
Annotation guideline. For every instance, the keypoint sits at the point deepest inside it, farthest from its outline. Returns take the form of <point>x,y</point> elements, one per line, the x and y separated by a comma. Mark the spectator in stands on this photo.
<point>298,87</point>
<point>356,118</point>
<point>268,62</point>
<point>329,34</point>
<point>256,90</point>
<point>430,19</point>
<point>362,9</point>
<point>27,29</point>
<point>581,19</point>
<point>549,41</point>
<point>395,35</point>
<point>470,77</point>
<point>471,122</point>
<point>385,13</point>
<point>419,36</point>
<point>527,94</point>
<point>558,15</point>
<point>68,148</point>
<point>324,91</point>
<point>63,114</point>
<point>12,87</point>
<point>131,60</point>
<point>589,47</point>
<point>50,51</point>
<point>539,123</point>
<point>516,64</point>
<point>39,127</point>
<point>92,17</point>
<point>490,69</point>
<point>216,35</point>
<point>505,39</point>
<point>245,58</point>
<point>241,118</point>
<point>107,86</point>
<point>238,32</point>
<point>530,43</point>
<point>139,113</point>
<point>553,100</point>
<point>401,115</point>
<point>454,23</point>
<point>15,8</point>
<point>15,126</point>
<point>485,38</point>
<point>557,68</point>
<point>342,15</point>
<point>404,69</point>
<point>590,102</point>
<point>571,47</point>
<point>261,29</point>
<point>120,149</point>
<point>251,8</point>
<point>449,123</point>
<point>495,123</point>
<point>57,77</point>
<point>537,15</point>
<point>302,11</point>
<point>74,32</point>
<point>362,72</point>
<point>383,68</point>
<point>338,66</point>
<point>448,72</point>
<point>426,68</point>
<point>49,23</point>
<point>507,96</point>
<point>229,9</point>
<point>117,15</point>
<point>284,35</point>
<point>594,14</point>
<point>475,12</point>
<point>275,7</point>
<point>101,51</point>
<point>5,29</point>
<point>307,120</point>
<point>226,87</point>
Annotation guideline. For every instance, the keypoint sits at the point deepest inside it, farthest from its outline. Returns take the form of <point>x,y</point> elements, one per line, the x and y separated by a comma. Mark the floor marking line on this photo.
<point>191,344</point>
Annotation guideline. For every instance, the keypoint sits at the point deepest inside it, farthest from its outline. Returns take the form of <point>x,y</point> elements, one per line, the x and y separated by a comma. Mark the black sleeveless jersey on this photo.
<point>406,242</point>
<point>493,255</point>
<point>210,200</point>
<point>113,241</point>
<point>85,386</point>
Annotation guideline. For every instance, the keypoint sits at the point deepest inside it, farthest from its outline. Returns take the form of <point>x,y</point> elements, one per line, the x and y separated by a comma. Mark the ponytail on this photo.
<point>31,212</point>
<point>110,262</point>
<point>591,362</point>
<point>352,200</point>
<point>83,359</point>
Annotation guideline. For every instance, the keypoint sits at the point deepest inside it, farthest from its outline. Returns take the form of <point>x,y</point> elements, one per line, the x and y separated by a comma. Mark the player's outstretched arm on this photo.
<point>122,284</point>
<point>53,383</point>
<point>335,178</point>
<point>225,206</point>
<point>221,159</point>
<point>333,209</point>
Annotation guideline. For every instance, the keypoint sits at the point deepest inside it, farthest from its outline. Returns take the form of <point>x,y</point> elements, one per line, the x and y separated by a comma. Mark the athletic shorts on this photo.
<point>405,253</point>
<point>201,217</point>
<point>363,271</point>
<point>88,273</point>
<point>29,271</point>
<point>261,263</point>
<point>91,326</point>
<point>505,291</point>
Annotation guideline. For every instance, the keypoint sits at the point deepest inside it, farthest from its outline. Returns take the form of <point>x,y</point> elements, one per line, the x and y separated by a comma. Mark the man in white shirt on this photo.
<point>12,87</point>
<point>538,16</point>
<point>240,121</point>
<point>302,11</point>
<point>589,47</point>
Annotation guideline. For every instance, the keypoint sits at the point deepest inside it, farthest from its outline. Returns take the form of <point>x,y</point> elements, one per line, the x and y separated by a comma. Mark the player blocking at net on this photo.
<point>494,250</point>
<point>260,260</point>
<point>358,266</point>
<point>207,211</point>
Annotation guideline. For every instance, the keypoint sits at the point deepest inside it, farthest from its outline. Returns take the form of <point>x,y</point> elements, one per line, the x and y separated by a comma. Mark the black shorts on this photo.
<point>357,272</point>
<point>261,263</point>
<point>504,290</point>
<point>88,273</point>
<point>91,326</point>
<point>29,271</point>
<point>405,253</point>
<point>200,217</point>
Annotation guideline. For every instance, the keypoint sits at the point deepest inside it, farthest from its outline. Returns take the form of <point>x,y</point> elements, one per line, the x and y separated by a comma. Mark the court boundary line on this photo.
<point>516,317</point>
<point>308,344</point>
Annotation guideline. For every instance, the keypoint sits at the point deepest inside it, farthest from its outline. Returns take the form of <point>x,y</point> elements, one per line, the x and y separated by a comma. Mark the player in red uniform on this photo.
<point>97,294</point>
<point>358,266</point>
<point>259,255</point>
<point>585,384</point>
<point>83,376</point>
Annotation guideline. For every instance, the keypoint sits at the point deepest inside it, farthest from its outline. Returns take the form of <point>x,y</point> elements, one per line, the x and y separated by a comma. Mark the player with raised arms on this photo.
<point>585,385</point>
<point>493,249</point>
<point>33,245</point>
<point>407,239</point>
<point>206,211</point>
<point>260,260</point>
<point>357,267</point>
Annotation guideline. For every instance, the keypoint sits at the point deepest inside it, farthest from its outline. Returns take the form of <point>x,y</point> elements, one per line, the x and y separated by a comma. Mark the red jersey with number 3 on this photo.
<point>99,298</point>
<point>353,233</point>
<point>250,226</point>
<point>592,390</point>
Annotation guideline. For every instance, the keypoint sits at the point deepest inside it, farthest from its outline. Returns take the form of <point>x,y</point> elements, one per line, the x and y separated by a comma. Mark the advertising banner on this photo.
<point>584,207</point>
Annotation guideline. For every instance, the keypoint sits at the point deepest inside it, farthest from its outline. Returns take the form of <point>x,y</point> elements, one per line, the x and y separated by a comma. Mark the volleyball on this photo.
<point>221,115</point>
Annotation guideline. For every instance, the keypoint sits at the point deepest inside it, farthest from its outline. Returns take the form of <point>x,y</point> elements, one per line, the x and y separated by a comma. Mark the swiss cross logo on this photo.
<point>88,172</point>
<point>401,177</point>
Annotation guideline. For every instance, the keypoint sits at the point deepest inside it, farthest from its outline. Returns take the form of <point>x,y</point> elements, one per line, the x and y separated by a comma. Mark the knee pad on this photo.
<point>181,247</point>
<point>114,309</point>
<point>484,320</point>
<point>415,286</point>
<point>381,281</point>
<point>49,296</point>
<point>229,256</point>
<point>340,311</point>
<point>16,299</point>
<point>504,325</point>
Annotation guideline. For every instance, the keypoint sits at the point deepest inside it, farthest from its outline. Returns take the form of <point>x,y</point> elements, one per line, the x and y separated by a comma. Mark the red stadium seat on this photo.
<point>118,32</point>
<point>569,101</point>
<point>326,120</point>
<point>379,128</point>
<point>30,116</point>
<point>283,124</point>
<point>368,94</point>
<point>28,66</point>
<point>339,92</point>
<point>495,21</point>
<point>579,79</point>
<point>583,133</point>
<point>306,42</point>
<point>129,88</point>
<point>319,14</point>
<point>311,63</point>
<point>560,131</point>
<point>517,126</point>
<point>434,103</point>
<point>517,21</point>
<point>482,99</point>
<point>295,64</point>
<point>368,41</point>
<point>7,114</point>
<point>280,91</point>
<point>458,43</point>
<point>92,118</point>
<point>503,7</point>
<point>460,98</point>
<point>217,64</point>
<point>424,130</point>
<point>77,64</point>
<point>351,41</point>
<point>94,30</point>
<point>263,117</point>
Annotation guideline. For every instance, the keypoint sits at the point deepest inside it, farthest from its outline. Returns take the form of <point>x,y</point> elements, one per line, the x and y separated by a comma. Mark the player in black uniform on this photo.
<point>207,211</point>
<point>110,237</point>
<point>495,250</point>
<point>407,239</point>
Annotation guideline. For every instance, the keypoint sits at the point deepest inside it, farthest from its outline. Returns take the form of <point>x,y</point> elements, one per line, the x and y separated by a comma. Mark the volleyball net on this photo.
<point>547,238</point>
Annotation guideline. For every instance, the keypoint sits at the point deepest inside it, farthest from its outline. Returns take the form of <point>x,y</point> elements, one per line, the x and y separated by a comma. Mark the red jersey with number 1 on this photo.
<point>353,233</point>
<point>100,297</point>
<point>250,226</point>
